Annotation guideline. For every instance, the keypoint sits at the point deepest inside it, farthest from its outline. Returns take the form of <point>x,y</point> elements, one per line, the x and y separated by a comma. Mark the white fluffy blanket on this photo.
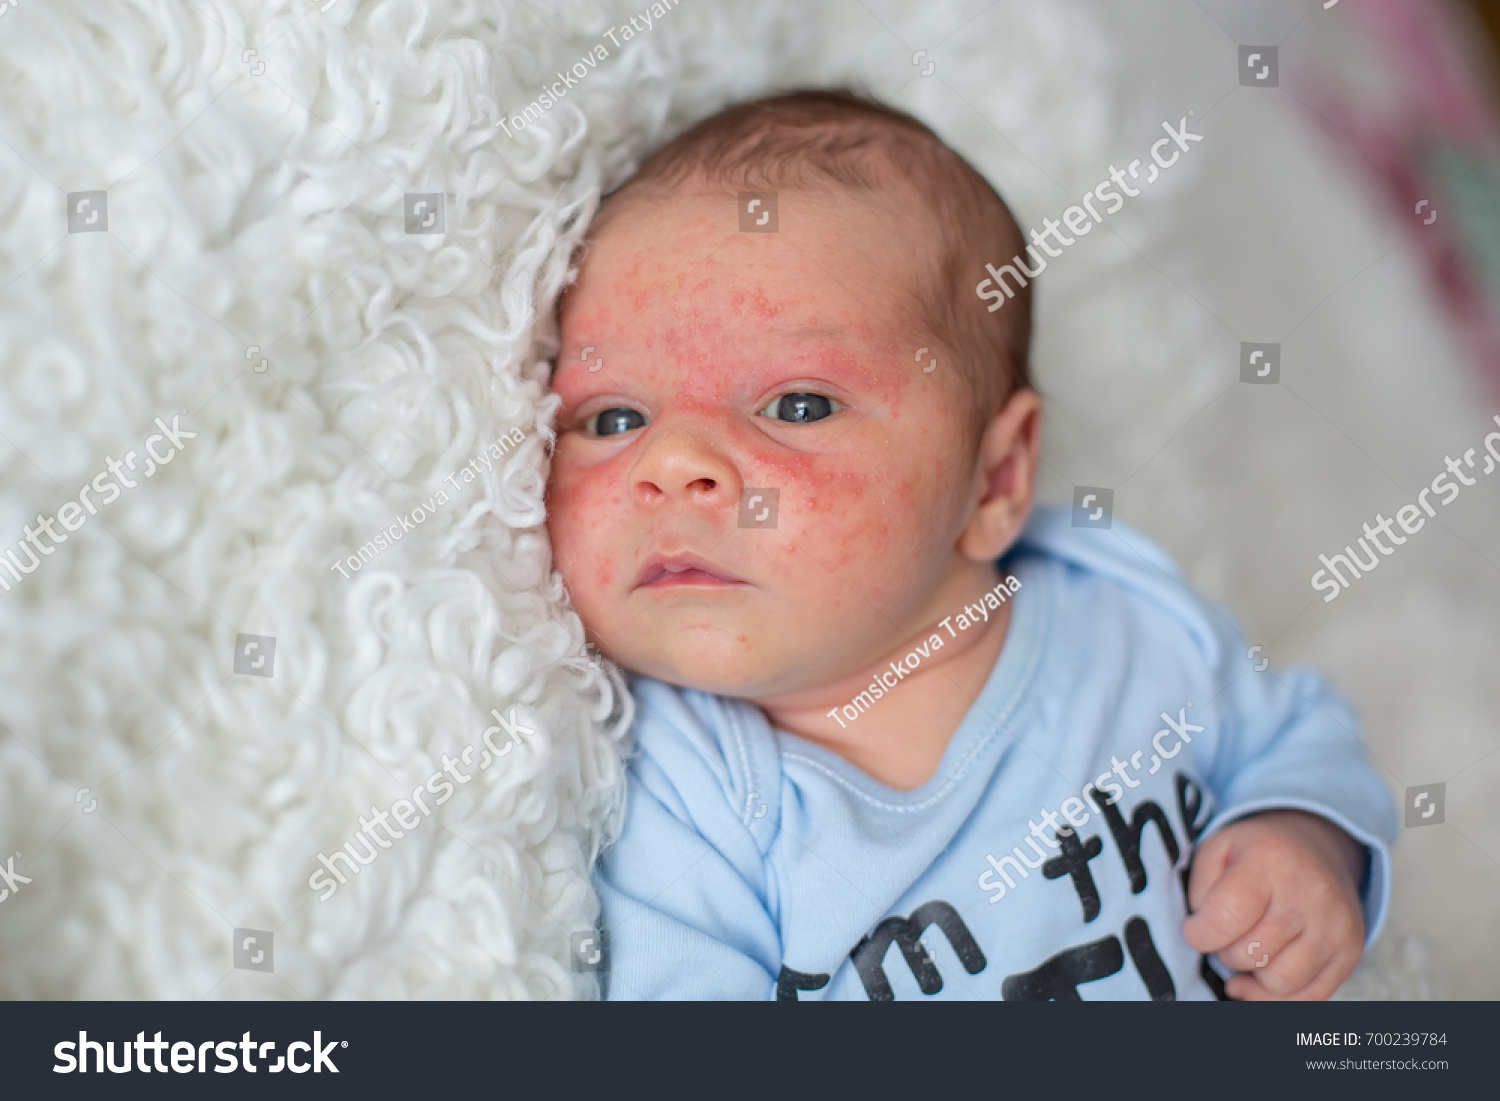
<point>262,163</point>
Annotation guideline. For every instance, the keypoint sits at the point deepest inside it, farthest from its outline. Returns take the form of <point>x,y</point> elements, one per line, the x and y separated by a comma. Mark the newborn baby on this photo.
<point>900,734</point>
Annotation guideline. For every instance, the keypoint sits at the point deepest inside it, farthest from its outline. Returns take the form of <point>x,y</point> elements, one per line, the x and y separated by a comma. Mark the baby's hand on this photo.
<point>1276,895</point>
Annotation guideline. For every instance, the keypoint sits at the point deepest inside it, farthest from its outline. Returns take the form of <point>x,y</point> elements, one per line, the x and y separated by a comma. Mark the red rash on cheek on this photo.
<point>582,523</point>
<point>585,503</point>
<point>848,518</point>
<point>824,488</point>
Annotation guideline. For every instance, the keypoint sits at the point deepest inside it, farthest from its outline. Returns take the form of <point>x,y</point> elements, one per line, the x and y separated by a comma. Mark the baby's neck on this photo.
<point>899,740</point>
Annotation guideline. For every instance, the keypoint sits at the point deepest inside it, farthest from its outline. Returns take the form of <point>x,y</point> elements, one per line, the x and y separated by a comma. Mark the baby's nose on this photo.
<point>684,465</point>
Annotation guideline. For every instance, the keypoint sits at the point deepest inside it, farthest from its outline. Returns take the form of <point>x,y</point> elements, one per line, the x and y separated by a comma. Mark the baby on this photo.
<point>877,690</point>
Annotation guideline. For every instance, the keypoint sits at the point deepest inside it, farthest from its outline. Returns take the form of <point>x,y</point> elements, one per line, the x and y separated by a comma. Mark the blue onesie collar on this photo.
<point>1002,697</point>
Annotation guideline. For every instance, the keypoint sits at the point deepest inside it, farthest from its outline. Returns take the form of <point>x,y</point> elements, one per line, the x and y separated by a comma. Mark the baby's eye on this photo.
<point>612,422</point>
<point>801,408</point>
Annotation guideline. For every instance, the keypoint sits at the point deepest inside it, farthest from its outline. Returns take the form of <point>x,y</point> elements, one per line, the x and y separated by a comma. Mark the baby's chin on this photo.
<point>722,662</point>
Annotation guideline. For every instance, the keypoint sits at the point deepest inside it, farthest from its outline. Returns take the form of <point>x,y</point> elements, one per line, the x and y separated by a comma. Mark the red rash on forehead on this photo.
<point>757,303</point>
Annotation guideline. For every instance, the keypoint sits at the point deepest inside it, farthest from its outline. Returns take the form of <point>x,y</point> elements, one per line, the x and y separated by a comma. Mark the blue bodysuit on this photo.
<point>1046,858</point>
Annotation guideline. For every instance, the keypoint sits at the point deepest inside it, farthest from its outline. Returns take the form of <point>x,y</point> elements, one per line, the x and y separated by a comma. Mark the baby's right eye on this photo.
<point>612,422</point>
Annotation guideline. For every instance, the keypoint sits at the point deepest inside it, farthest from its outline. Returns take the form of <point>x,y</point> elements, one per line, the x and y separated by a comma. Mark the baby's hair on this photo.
<point>834,137</point>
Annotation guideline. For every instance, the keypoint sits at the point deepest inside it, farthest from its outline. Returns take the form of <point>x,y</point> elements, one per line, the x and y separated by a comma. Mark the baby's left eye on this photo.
<point>800,408</point>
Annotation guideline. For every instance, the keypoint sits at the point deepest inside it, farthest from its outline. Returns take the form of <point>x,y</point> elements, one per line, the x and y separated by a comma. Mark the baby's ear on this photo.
<point>1004,478</point>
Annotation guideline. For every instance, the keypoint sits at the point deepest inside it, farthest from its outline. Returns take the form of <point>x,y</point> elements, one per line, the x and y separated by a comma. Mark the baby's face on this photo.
<point>741,365</point>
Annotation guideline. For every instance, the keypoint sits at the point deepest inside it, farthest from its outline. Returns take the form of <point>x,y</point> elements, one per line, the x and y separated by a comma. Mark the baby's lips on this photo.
<point>683,569</point>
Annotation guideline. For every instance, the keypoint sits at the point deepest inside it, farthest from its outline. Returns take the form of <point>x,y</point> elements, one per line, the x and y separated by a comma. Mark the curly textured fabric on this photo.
<point>256,279</point>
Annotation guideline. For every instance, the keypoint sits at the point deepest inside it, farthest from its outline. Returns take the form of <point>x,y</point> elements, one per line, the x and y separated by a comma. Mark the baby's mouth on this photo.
<point>683,570</point>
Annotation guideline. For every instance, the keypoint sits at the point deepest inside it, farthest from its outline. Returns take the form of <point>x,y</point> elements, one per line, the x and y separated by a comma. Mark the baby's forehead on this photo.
<point>685,252</point>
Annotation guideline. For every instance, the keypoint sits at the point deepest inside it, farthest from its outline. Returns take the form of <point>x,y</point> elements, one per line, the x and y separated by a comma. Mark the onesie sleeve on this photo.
<point>1288,741</point>
<point>686,889</point>
<point>1285,739</point>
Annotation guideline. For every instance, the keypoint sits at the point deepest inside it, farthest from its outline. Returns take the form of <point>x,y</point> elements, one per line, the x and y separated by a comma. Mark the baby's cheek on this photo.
<point>584,524</point>
<point>849,520</point>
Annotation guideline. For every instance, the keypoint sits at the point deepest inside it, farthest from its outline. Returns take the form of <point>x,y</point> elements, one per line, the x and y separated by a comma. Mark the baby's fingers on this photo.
<point>1313,963</point>
<point>1295,979</point>
<point>1229,910</point>
<point>1262,945</point>
<point>1209,863</point>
